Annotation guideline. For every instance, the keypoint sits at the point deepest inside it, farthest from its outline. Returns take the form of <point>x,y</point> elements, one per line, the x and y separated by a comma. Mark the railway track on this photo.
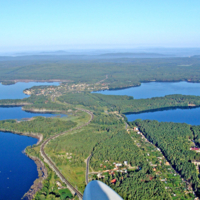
<point>52,164</point>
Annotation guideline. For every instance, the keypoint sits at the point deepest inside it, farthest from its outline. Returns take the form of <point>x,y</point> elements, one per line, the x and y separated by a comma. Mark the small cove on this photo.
<point>16,91</point>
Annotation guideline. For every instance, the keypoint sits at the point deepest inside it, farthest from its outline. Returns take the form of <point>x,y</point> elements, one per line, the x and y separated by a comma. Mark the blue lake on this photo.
<point>189,116</point>
<point>18,113</point>
<point>156,89</point>
<point>16,91</point>
<point>17,171</point>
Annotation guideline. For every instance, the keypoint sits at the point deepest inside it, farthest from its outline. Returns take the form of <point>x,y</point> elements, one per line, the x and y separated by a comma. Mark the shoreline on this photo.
<point>15,104</point>
<point>111,88</point>
<point>32,110</point>
<point>37,184</point>
<point>36,110</point>
<point>162,109</point>
<point>42,171</point>
<point>34,80</point>
<point>150,81</point>
<point>33,135</point>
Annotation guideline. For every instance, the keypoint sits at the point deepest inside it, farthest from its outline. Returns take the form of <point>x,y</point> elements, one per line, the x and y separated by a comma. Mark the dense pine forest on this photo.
<point>175,142</point>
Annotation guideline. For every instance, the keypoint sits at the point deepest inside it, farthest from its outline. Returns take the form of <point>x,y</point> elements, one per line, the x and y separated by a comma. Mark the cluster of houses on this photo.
<point>195,149</point>
<point>117,168</point>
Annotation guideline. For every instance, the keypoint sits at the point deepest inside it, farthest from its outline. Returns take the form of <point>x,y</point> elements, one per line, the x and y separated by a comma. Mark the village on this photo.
<point>161,167</point>
<point>64,88</point>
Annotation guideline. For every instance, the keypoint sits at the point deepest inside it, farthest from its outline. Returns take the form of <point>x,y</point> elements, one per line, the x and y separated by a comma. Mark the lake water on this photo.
<point>17,171</point>
<point>189,116</point>
<point>156,89</point>
<point>16,91</point>
<point>18,113</point>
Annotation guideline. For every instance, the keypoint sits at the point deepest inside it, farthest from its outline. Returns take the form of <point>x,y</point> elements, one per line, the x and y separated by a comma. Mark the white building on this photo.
<point>118,164</point>
<point>125,162</point>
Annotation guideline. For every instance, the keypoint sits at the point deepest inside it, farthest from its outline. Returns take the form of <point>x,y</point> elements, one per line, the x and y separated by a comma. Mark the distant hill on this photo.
<point>54,52</point>
<point>135,55</point>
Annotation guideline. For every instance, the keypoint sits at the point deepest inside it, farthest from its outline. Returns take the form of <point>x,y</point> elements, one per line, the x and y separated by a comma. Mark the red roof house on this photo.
<point>113,181</point>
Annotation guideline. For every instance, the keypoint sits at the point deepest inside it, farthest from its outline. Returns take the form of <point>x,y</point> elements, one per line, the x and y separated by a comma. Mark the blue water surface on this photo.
<point>189,116</point>
<point>18,113</point>
<point>156,89</point>
<point>16,91</point>
<point>17,171</point>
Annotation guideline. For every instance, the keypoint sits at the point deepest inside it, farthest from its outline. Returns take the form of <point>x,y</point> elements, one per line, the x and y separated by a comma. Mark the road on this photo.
<point>52,164</point>
<point>87,168</point>
<point>102,80</point>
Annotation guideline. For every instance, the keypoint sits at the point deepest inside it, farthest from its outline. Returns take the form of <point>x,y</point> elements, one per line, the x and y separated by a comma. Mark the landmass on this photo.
<point>126,72</point>
<point>139,160</point>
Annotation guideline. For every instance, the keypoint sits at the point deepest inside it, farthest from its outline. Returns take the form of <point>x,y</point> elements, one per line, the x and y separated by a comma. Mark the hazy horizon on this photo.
<point>53,25</point>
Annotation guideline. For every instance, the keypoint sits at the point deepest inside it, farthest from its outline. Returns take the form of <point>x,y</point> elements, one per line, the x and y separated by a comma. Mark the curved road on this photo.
<point>52,164</point>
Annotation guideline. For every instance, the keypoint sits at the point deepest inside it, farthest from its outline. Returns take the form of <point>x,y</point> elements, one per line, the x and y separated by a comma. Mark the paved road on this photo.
<point>87,168</point>
<point>52,164</point>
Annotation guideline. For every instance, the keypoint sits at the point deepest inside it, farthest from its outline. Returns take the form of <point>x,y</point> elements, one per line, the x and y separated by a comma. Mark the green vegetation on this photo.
<point>50,190</point>
<point>139,184</point>
<point>38,125</point>
<point>174,185</point>
<point>121,72</point>
<point>196,131</point>
<point>146,176</point>
<point>174,140</point>
<point>70,151</point>
<point>126,104</point>
<point>8,83</point>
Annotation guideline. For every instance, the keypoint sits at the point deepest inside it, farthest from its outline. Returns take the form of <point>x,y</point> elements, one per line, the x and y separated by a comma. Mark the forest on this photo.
<point>126,104</point>
<point>124,72</point>
<point>41,125</point>
<point>138,184</point>
<point>174,140</point>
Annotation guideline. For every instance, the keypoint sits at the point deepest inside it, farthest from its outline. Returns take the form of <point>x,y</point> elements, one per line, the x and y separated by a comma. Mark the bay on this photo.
<point>156,89</point>
<point>16,91</point>
<point>190,116</point>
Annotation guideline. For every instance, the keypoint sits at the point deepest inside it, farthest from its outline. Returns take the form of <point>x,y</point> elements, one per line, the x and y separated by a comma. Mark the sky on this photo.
<point>91,24</point>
